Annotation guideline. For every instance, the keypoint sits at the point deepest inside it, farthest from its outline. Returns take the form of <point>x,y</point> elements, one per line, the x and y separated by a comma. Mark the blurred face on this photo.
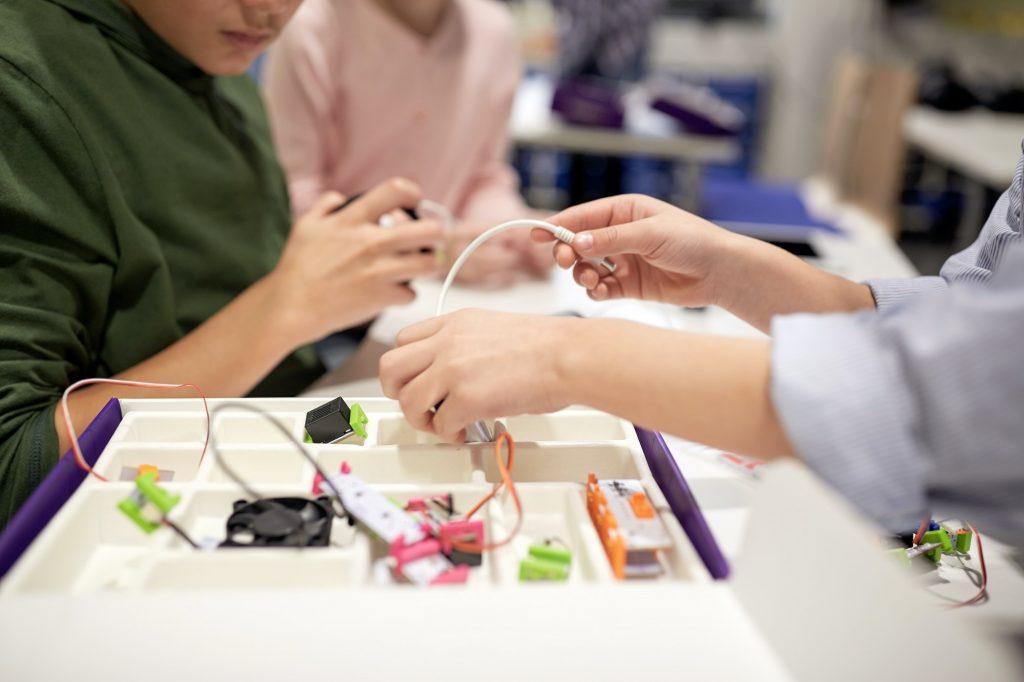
<point>222,37</point>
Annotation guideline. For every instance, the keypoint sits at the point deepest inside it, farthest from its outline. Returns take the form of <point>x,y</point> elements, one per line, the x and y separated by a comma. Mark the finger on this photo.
<point>450,420</point>
<point>586,275</point>
<point>601,213</point>
<point>608,289</point>
<point>388,196</point>
<point>396,217</point>
<point>420,330</point>
<point>404,267</point>
<point>564,256</point>
<point>600,292</point>
<point>399,366</point>
<point>412,236</point>
<point>633,238</point>
<point>541,236</point>
<point>418,398</point>
<point>326,204</point>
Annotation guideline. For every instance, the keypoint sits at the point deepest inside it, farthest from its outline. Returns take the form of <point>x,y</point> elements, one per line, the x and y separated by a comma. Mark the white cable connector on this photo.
<point>560,233</point>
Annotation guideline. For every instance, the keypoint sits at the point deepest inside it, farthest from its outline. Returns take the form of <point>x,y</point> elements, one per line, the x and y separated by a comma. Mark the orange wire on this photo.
<point>73,436</point>
<point>983,590</point>
<point>506,480</point>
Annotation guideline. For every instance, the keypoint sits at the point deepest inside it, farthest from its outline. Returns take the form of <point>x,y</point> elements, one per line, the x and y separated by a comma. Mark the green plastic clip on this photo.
<point>358,420</point>
<point>940,536</point>
<point>545,562</point>
<point>963,540</point>
<point>548,552</point>
<point>532,568</point>
<point>147,493</point>
<point>306,438</point>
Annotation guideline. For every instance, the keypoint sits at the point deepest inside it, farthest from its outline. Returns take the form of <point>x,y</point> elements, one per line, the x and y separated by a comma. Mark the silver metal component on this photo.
<point>479,432</point>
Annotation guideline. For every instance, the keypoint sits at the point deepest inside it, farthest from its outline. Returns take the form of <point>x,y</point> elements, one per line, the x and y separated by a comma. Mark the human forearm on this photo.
<point>226,356</point>
<point>756,281</point>
<point>709,389</point>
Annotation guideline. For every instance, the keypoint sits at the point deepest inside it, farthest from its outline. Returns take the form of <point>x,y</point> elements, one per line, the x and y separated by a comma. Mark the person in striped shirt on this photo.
<point>905,395</point>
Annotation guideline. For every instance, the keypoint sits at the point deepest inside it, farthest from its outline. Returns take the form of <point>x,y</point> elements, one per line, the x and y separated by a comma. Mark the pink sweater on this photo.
<point>356,98</point>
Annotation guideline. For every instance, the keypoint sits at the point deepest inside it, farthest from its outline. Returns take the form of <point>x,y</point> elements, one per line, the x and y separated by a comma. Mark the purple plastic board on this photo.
<point>56,488</point>
<point>589,103</point>
<point>684,506</point>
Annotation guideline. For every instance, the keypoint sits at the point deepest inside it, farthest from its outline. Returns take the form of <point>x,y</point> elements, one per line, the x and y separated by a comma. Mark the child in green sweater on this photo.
<point>145,231</point>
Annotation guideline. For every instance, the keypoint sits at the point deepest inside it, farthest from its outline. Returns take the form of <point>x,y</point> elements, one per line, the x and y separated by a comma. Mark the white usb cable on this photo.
<point>560,233</point>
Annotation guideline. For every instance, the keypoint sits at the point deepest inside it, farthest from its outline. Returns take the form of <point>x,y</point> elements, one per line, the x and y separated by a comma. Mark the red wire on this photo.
<point>73,436</point>
<point>921,530</point>
<point>983,590</point>
<point>506,481</point>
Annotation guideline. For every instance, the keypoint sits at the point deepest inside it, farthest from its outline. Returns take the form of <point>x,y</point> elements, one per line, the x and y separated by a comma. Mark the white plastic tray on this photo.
<point>90,546</point>
<point>119,604</point>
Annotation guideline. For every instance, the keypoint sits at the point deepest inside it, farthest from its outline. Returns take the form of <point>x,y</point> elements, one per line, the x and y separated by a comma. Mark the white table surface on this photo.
<point>647,133</point>
<point>980,144</point>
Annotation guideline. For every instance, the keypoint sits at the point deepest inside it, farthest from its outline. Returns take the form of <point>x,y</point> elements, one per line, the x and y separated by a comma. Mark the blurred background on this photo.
<point>910,110</point>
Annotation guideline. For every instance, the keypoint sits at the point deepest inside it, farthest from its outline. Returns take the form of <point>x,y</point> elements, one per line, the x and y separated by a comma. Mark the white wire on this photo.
<point>440,210</point>
<point>559,233</point>
<point>70,425</point>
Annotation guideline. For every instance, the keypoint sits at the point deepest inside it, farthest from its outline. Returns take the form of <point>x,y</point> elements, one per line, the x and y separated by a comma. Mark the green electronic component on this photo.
<point>358,420</point>
<point>940,537</point>
<point>963,540</point>
<point>306,438</point>
<point>545,562</point>
<point>532,568</point>
<point>551,553</point>
<point>147,493</point>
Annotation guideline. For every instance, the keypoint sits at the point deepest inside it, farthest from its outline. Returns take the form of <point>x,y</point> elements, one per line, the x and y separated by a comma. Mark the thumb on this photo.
<point>629,238</point>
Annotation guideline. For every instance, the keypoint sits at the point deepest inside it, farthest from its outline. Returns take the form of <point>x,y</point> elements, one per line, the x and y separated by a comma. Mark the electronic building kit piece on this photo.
<point>149,504</point>
<point>545,562</point>
<point>283,502</point>
<point>335,421</point>
<point>630,528</point>
<point>280,522</point>
<point>416,554</point>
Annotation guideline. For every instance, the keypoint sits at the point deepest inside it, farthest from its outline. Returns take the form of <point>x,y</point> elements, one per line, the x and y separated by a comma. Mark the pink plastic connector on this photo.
<point>457,576</point>
<point>404,554</point>
<point>459,531</point>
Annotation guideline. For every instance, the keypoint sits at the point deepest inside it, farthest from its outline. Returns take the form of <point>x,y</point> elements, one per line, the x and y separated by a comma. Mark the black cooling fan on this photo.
<point>280,522</point>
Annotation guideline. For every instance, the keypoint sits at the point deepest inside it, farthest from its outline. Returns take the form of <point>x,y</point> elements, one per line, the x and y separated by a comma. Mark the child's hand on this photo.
<point>479,365</point>
<point>499,262</point>
<point>662,253</point>
<point>341,269</point>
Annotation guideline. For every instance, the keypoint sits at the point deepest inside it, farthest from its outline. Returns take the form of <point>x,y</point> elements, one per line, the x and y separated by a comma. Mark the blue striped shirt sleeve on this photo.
<point>974,264</point>
<point>918,406</point>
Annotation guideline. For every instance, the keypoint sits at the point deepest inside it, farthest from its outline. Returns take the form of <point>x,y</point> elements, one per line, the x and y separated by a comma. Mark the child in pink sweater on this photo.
<point>363,90</point>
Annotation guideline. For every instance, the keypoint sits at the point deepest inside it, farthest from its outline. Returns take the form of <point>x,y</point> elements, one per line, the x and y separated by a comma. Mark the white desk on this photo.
<point>646,133</point>
<point>979,144</point>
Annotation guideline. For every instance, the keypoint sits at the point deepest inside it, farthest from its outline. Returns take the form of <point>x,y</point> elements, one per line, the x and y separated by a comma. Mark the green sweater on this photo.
<point>138,196</point>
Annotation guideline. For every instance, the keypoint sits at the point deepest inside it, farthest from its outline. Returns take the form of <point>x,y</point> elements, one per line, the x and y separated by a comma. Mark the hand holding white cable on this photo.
<point>560,233</point>
<point>479,431</point>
